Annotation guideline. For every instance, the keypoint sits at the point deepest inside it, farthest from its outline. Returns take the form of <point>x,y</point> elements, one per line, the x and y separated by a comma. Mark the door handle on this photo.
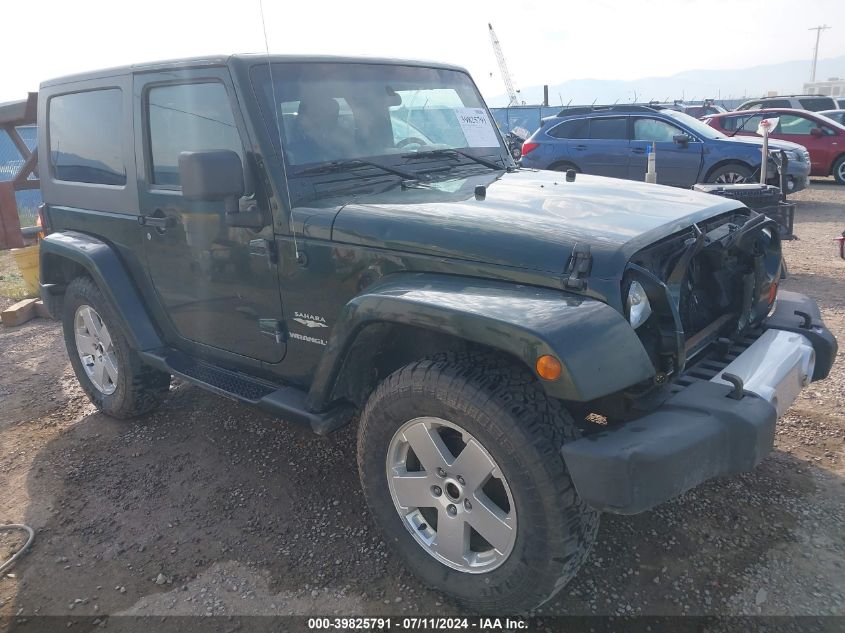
<point>638,150</point>
<point>158,220</point>
<point>580,147</point>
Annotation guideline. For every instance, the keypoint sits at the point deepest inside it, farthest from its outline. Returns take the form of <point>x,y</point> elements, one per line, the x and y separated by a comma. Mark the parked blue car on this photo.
<point>614,141</point>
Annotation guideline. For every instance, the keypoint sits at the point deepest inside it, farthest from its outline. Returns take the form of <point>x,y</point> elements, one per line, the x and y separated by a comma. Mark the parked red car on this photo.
<point>823,138</point>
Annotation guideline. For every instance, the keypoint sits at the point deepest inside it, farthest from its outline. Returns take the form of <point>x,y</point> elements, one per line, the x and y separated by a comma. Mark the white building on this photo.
<point>833,87</point>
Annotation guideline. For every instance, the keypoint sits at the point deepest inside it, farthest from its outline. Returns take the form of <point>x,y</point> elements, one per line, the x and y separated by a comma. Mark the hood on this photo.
<point>525,219</point>
<point>758,140</point>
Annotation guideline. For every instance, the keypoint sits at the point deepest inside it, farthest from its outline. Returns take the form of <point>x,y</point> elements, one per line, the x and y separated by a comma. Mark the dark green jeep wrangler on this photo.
<point>334,238</point>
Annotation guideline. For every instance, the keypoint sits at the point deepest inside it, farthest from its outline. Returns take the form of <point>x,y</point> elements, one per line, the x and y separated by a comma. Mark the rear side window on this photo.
<point>574,128</point>
<point>86,132</point>
<point>609,129</point>
<point>188,117</point>
<point>817,105</point>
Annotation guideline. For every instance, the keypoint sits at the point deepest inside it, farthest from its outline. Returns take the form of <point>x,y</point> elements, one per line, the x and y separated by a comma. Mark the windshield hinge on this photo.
<point>578,267</point>
<point>274,328</point>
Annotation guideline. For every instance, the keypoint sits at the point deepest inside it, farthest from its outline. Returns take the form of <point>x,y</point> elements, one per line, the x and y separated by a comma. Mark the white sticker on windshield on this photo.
<point>477,128</point>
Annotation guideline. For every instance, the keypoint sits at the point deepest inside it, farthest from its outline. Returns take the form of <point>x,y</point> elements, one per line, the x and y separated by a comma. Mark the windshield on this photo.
<point>330,112</point>
<point>699,127</point>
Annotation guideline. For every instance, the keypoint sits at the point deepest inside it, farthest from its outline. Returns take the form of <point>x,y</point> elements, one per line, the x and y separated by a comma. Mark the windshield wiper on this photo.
<point>351,163</point>
<point>454,153</point>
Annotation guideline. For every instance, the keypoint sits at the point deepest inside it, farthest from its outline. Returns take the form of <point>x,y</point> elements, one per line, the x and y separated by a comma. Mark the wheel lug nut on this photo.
<point>441,472</point>
<point>461,480</point>
<point>436,491</point>
<point>452,510</point>
<point>467,504</point>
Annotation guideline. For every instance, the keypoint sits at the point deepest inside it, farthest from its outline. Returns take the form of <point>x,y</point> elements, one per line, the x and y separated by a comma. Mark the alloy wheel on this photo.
<point>451,495</point>
<point>96,349</point>
<point>730,178</point>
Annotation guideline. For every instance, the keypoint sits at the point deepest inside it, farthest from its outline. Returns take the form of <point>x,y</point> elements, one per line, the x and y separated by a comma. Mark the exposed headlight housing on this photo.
<point>639,308</point>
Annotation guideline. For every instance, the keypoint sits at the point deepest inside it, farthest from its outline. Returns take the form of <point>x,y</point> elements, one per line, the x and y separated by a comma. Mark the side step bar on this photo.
<point>285,402</point>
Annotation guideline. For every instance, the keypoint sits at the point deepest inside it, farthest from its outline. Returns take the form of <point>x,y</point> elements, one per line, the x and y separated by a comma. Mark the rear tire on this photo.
<point>499,409</point>
<point>838,170</point>
<point>108,369</point>
<point>565,167</point>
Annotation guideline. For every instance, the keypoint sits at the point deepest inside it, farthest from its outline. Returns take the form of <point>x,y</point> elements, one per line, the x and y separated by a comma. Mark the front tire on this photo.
<point>108,369</point>
<point>732,174</point>
<point>459,458</point>
<point>838,170</point>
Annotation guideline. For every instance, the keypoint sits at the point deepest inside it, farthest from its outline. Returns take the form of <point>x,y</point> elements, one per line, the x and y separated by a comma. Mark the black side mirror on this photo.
<point>681,139</point>
<point>212,176</point>
<point>218,175</point>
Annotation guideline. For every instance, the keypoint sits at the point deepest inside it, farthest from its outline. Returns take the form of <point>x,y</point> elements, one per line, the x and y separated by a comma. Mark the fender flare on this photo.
<point>103,264</point>
<point>600,352</point>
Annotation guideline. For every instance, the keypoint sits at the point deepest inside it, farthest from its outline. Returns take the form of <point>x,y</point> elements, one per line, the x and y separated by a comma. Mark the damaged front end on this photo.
<point>730,359</point>
<point>708,286</point>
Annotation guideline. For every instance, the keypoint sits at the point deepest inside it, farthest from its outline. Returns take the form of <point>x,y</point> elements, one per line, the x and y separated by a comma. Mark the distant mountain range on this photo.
<point>783,78</point>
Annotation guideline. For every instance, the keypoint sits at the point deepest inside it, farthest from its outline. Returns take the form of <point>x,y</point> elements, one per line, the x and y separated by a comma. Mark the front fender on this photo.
<point>598,349</point>
<point>104,266</point>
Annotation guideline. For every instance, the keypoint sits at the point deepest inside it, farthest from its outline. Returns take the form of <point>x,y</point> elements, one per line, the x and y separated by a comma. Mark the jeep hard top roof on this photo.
<point>241,58</point>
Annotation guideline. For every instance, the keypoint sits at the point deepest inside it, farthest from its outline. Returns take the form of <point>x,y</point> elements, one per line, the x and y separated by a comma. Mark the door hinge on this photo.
<point>578,267</point>
<point>274,328</point>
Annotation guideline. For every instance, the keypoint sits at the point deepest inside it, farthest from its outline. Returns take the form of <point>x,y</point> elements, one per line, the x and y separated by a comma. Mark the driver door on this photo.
<point>217,285</point>
<point>677,164</point>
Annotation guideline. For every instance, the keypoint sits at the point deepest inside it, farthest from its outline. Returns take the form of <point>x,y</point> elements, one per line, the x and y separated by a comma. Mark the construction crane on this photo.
<point>503,67</point>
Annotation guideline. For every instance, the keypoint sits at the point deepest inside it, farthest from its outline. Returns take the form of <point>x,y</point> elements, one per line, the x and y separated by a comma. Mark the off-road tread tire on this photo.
<point>140,388</point>
<point>504,407</point>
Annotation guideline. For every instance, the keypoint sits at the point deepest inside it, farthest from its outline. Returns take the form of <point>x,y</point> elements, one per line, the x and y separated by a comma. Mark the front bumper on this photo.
<point>704,431</point>
<point>797,183</point>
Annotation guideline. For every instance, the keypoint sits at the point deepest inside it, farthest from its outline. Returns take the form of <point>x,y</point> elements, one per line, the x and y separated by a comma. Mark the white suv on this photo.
<point>813,103</point>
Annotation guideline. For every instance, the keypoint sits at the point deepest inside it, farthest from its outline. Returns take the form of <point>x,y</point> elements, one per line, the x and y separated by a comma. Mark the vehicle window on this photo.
<point>747,123</point>
<point>753,106</point>
<point>817,105</point>
<point>86,132</point>
<point>342,131</point>
<point>700,128</point>
<point>614,128</point>
<point>188,117</point>
<point>336,111</point>
<point>654,130</point>
<point>574,128</point>
<point>778,103</point>
<point>427,114</point>
<point>795,125</point>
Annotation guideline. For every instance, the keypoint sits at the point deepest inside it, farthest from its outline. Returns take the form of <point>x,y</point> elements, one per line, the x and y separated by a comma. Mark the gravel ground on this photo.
<point>207,507</point>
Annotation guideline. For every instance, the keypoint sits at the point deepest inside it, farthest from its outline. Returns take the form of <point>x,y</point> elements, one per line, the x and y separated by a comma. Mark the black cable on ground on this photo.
<point>15,527</point>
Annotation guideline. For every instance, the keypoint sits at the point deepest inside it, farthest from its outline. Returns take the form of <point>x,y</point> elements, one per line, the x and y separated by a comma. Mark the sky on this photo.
<point>543,42</point>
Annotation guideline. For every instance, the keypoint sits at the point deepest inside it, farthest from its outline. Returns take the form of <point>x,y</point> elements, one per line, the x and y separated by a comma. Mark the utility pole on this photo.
<point>818,30</point>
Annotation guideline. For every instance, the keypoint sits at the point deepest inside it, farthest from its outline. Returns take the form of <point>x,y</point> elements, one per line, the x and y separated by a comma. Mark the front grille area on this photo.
<point>711,282</point>
<point>711,363</point>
